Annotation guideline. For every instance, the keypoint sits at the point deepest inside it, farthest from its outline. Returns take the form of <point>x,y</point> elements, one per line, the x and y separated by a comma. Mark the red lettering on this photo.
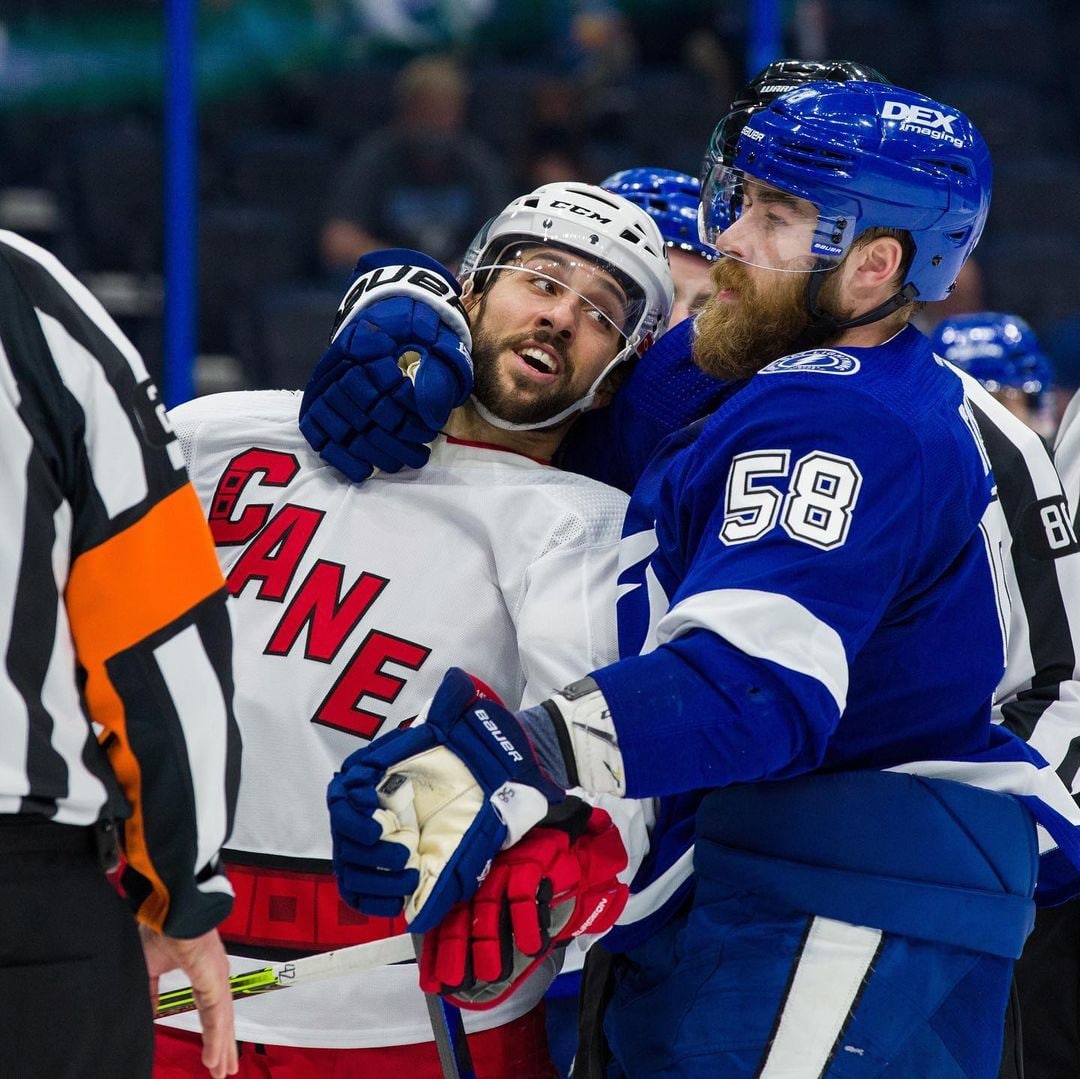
<point>329,616</point>
<point>277,470</point>
<point>274,554</point>
<point>364,677</point>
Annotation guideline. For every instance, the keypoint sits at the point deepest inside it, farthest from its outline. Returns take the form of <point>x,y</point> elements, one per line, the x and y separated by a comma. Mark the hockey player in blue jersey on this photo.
<point>812,636</point>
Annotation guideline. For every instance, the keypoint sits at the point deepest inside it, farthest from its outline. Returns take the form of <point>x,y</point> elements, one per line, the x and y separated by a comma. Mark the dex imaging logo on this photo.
<point>933,123</point>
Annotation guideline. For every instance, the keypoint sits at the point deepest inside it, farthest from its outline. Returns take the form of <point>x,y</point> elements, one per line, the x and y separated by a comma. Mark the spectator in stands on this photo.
<point>421,182</point>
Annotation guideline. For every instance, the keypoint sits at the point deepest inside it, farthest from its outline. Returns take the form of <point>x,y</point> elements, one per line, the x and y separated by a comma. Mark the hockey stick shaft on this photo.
<point>449,1030</point>
<point>311,968</point>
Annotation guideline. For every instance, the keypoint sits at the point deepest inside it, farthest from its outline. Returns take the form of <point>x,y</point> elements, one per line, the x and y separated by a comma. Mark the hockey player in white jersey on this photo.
<point>348,602</point>
<point>811,596</point>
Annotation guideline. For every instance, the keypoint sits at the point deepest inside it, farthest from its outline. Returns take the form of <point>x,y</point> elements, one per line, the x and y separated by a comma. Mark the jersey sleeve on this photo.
<point>786,537</point>
<point>144,599</point>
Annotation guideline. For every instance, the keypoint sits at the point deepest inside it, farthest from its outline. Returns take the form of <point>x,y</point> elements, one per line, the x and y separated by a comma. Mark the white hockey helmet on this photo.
<point>611,233</point>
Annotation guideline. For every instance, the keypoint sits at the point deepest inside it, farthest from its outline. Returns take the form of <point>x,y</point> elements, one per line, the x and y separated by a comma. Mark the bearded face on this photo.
<point>512,394</point>
<point>756,317</point>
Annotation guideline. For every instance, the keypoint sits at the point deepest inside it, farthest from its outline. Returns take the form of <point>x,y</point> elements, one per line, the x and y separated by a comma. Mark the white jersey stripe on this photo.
<point>111,444</point>
<point>200,706</point>
<point>829,976</point>
<point>1057,727</point>
<point>60,697</point>
<point>659,890</point>
<point>769,626</point>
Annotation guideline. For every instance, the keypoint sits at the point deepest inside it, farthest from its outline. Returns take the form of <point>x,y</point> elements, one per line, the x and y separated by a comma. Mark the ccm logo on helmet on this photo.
<point>931,122</point>
<point>584,211</point>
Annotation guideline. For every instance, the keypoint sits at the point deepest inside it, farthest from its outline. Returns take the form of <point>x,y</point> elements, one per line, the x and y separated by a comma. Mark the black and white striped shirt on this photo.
<point>1039,694</point>
<point>116,683</point>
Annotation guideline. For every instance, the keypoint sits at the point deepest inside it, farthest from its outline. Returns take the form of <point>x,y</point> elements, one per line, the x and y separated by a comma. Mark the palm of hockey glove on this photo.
<point>557,883</point>
<point>397,365</point>
<point>417,815</point>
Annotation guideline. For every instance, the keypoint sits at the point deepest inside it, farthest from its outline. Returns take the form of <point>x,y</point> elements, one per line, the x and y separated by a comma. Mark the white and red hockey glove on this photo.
<point>558,882</point>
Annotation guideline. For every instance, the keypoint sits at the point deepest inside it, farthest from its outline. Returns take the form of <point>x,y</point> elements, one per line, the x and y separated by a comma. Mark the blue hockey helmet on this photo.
<point>1002,351</point>
<point>670,198</point>
<point>865,155</point>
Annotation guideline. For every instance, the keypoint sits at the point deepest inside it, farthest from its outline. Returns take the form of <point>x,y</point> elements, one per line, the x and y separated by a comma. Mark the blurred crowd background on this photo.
<point>328,127</point>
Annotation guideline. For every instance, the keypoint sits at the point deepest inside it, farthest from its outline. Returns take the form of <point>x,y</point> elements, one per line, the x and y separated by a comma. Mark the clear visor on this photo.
<point>604,295</point>
<point>761,225</point>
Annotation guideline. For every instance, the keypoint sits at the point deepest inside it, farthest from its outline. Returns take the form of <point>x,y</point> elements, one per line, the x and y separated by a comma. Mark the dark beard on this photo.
<point>734,341</point>
<point>512,403</point>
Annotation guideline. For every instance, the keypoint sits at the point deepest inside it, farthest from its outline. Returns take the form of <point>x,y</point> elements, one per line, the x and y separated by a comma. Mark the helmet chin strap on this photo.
<point>488,416</point>
<point>582,404</point>
<point>831,323</point>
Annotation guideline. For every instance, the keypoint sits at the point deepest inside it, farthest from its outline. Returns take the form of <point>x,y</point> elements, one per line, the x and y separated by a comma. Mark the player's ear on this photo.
<point>877,263</point>
<point>469,295</point>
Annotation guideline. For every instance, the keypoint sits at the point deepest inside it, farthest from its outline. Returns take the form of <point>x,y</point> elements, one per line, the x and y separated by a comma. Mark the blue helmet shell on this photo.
<point>670,198</point>
<point>870,155</point>
<point>1000,350</point>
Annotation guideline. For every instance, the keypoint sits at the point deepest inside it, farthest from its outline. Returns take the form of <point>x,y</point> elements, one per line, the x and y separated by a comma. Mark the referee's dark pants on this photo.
<point>74,993</point>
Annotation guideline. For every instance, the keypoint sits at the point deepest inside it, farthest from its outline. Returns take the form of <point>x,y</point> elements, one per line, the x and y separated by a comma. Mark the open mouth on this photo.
<point>539,360</point>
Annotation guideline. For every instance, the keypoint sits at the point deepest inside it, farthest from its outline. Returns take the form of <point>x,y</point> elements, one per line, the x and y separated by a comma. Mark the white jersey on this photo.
<point>348,603</point>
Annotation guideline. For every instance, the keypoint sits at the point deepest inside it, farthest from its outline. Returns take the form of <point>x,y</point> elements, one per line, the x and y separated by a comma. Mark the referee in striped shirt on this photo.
<point>1039,695</point>
<point>116,691</point>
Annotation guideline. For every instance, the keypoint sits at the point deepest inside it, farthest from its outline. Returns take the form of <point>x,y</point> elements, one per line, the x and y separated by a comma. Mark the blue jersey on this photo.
<point>663,393</point>
<point>810,582</point>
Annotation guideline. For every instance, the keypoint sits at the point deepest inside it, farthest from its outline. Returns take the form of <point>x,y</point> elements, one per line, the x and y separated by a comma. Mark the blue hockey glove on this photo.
<point>397,365</point>
<point>417,816</point>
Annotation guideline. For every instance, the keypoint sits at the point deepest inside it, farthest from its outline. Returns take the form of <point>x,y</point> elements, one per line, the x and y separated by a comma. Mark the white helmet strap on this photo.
<point>582,404</point>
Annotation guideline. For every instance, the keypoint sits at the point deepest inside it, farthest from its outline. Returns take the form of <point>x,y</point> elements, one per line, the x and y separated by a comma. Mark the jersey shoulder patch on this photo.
<point>821,361</point>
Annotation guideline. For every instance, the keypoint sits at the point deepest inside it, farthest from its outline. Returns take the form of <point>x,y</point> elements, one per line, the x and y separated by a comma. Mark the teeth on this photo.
<point>540,356</point>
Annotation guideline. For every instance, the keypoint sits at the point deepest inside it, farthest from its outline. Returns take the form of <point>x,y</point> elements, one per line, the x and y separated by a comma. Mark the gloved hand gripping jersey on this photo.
<point>397,365</point>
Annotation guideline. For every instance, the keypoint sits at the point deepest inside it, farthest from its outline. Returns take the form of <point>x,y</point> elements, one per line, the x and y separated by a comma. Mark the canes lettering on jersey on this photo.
<point>321,608</point>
